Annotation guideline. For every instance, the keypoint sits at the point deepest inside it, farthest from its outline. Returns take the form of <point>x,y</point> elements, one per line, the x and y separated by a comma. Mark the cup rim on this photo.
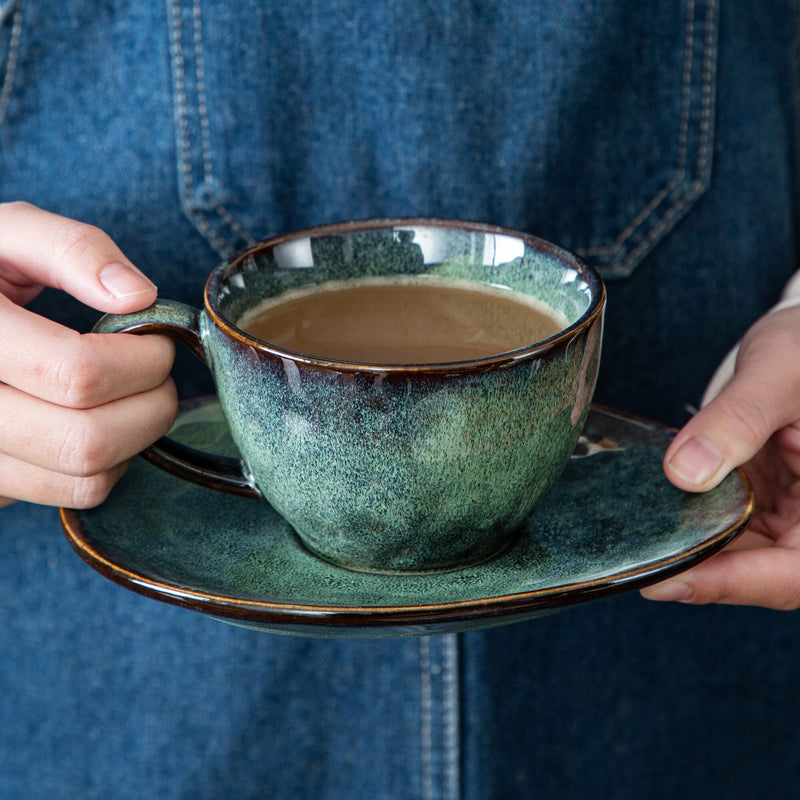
<point>485,364</point>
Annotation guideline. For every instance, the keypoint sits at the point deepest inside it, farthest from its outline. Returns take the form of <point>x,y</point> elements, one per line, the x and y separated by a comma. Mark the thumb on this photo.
<point>762,397</point>
<point>39,248</point>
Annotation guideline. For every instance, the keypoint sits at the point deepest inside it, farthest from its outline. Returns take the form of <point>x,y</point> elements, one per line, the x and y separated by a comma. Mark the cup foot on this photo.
<point>436,570</point>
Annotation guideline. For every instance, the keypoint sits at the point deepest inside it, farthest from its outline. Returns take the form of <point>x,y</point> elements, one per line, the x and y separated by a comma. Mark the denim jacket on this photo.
<point>656,139</point>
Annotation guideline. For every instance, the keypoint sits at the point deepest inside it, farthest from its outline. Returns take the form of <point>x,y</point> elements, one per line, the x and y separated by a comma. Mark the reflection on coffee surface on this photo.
<point>402,320</point>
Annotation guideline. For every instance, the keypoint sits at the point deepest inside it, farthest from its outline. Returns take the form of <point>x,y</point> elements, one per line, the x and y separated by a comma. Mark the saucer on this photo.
<point>612,523</point>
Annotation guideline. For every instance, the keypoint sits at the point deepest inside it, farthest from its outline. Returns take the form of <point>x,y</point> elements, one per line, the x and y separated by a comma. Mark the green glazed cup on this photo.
<point>398,467</point>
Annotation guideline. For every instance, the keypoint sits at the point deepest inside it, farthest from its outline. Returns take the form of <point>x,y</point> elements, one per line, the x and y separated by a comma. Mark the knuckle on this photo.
<point>726,593</point>
<point>77,376</point>
<point>769,335</point>
<point>787,604</point>
<point>749,418</point>
<point>84,449</point>
<point>21,206</point>
<point>170,402</point>
<point>747,585</point>
<point>786,594</point>
<point>76,240</point>
<point>92,491</point>
<point>776,345</point>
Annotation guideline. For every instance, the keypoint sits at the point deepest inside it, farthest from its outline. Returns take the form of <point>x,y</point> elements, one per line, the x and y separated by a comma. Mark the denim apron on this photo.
<point>655,139</point>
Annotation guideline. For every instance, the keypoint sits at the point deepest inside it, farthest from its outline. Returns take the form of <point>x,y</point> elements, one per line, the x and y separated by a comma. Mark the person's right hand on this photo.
<point>74,409</point>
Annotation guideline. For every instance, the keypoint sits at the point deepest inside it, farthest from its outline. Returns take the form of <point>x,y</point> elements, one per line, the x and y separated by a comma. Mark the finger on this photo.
<point>38,247</point>
<point>54,363</point>
<point>751,540</point>
<point>83,443</point>
<point>762,397</point>
<point>768,577</point>
<point>32,484</point>
<point>788,442</point>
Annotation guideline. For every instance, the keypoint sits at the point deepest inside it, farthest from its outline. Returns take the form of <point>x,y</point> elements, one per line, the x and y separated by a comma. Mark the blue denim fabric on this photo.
<point>657,139</point>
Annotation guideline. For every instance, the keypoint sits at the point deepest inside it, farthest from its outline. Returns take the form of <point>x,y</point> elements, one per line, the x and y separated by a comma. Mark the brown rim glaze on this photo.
<point>486,364</point>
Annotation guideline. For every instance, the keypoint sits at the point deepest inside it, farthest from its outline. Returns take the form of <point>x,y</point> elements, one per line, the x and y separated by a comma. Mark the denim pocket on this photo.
<point>588,123</point>
<point>625,145</point>
<point>650,146</point>
<point>10,33</point>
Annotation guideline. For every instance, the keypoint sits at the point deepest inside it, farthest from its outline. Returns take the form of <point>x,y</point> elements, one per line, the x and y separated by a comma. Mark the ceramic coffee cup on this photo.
<point>400,467</point>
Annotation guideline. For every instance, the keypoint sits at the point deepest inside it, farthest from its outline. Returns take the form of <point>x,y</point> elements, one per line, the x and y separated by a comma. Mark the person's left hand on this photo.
<point>754,422</point>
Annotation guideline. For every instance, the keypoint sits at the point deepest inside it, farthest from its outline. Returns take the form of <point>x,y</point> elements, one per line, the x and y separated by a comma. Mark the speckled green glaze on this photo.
<point>611,522</point>
<point>391,468</point>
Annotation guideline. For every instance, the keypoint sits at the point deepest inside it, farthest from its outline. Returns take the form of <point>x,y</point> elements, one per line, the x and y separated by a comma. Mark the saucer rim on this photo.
<point>481,609</point>
<point>477,610</point>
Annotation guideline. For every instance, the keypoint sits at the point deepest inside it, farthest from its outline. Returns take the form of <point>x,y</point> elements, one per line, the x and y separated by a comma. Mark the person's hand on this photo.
<point>74,409</point>
<point>754,422</point>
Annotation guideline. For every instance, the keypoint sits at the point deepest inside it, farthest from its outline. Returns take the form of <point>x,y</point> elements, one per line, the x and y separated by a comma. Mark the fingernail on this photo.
<point>697,460</point>
<point>122,281</point>
<point>673,591</point>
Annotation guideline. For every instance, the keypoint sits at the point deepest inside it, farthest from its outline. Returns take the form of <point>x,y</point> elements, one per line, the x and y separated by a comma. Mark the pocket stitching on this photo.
<point>188,186</point>
<point>11,60</point>
<point>618,258</point>
<point>695,188</point>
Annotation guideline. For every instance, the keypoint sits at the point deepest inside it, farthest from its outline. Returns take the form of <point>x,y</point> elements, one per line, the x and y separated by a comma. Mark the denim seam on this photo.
<point>183,134</point>
<point>11,60</point>
<point>452,717</point>
<point>204,120</point>
<point>682,139</point>
<point>182,128</point>
<point>696,186</point>
<point>440,777</point>
<point>426,720</point>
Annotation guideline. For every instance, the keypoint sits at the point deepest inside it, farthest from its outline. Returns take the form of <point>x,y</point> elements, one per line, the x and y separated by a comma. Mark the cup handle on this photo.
<point>182,323</point>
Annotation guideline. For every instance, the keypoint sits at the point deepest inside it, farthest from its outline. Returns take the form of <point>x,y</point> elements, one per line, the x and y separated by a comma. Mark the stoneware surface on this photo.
<point>612,522</point>
<point>396,467</point>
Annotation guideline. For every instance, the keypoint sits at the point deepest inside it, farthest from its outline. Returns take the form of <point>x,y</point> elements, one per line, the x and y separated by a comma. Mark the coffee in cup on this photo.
<point>402,320</point>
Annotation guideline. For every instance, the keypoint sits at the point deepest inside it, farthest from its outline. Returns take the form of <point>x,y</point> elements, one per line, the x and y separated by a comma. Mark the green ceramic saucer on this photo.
<point>612,523</point>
